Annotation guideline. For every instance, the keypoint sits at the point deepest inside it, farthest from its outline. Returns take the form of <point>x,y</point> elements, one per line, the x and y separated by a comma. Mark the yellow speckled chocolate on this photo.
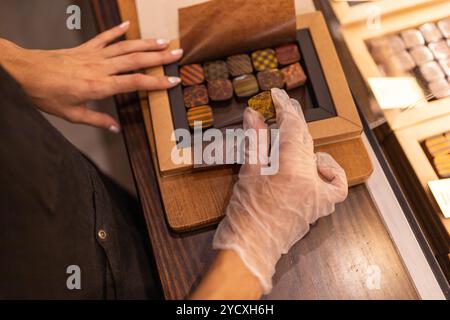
<point>263,104</point>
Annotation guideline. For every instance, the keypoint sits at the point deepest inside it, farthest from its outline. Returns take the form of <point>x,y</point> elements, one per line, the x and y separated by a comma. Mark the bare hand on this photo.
<point>61,82</point>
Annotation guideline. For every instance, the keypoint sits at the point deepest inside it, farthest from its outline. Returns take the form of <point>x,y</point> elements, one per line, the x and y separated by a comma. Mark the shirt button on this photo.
<point>102,234</point>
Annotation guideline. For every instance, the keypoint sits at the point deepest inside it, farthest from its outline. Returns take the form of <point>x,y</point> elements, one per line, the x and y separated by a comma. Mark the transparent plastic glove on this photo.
<point>267,214</point>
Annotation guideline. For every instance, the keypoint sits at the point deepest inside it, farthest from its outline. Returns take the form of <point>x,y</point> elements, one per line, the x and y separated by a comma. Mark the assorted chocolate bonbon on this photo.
<point>269,79</point>
<point>294,76</point>
<point>245,85</point>
<point>263,103</point>
<point>220,89</point>
<point>202,115</point>
<point>247,77</point>
<point>239,65</point>
<point>216,70</point>
<point>264,59</point>
<point>192,74</point>
<point>287,54</point>
<point>196,95</point>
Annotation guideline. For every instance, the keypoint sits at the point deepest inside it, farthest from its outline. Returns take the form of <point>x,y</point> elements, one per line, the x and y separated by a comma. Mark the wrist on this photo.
<point>250,241</point>
<point>11,59</point>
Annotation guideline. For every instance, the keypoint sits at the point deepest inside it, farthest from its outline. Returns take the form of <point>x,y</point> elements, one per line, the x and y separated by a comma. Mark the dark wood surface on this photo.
<point>334,261</point>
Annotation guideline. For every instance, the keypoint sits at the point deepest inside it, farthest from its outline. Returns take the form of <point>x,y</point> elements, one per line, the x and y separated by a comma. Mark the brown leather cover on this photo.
<point>220,28</point>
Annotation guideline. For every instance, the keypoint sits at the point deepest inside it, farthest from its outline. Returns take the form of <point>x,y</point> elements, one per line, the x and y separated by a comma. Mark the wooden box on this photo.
<point>396,16</point>
<point>326,126</point>
<point>207,192</point>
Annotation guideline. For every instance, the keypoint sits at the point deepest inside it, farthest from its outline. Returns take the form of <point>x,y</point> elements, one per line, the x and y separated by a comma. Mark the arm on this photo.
<point>267,214</point>
<point>63,82</point>
<point>228,278</point>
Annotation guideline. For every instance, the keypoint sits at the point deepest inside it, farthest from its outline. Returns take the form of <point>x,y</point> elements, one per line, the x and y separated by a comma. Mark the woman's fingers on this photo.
<point>304,126</point>
<point>138,82</point>
<point>129,83</point>
<point>108,36</point>
<point>287,114</point>
<point>142,60</point>
<point>82,114</point>
<point>129,46</point>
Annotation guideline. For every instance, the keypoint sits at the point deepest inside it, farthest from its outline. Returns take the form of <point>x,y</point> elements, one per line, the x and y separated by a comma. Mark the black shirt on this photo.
<point>57,210</point>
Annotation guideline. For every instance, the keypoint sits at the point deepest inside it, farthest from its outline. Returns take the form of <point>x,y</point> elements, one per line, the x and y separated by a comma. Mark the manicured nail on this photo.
<point>114,128</point>
<point>124,25</point>
<point>176,52</point>
<point>162,41</point>
<point>174,80</point>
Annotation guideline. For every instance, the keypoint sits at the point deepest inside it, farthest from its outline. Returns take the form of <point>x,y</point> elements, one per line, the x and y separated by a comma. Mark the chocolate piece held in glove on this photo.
<point>191,74</point>
<point>239,64</point>
<point>294,76</point>
<point>263,104</point>
<point>264,59</point>
<point>220,90</point>
<point>200,113</point>
<point>270,79</point>
<point>215,70</point>
<point>245,86</point>
<point>287,54</point>
<point>195,96</point>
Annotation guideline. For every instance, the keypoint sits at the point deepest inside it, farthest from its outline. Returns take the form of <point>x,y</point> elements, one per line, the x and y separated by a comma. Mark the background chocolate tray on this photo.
<point>314,95</point>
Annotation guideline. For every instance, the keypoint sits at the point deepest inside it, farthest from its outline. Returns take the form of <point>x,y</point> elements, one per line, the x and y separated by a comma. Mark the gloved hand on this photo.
<point>267,214</point>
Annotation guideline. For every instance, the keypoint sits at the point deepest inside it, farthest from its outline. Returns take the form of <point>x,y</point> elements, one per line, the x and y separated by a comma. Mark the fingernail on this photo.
<point>162,41</point>
<point>114,128</point>
<point>176,52</point>
<point>124,25</point>
<point>276,91</point>
<point>174,80</point>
